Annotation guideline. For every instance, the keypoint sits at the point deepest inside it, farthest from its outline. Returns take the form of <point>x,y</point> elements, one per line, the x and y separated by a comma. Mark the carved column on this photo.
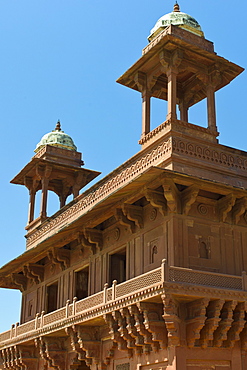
<point>183,111</point>
<point>32,194</point>
<point>211,108</point>
<point>145,113</point>
<point>171,92</point>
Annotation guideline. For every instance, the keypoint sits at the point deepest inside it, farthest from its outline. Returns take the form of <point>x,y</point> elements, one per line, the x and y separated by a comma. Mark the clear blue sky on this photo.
<point>60,59</point>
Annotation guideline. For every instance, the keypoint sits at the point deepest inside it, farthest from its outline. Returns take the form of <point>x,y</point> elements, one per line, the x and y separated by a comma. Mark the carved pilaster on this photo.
<point>59,256</point>
<point>211,324</point>
<point>226,317</point>
<point>134,213</point>
<point>196,317</point>
<point>171,319</point>
<point>123,220</point>
<point>225,205</point>
<point>157,200</point>
<point>172,196</point>
<point>239,209</point>
<point>189,196</point>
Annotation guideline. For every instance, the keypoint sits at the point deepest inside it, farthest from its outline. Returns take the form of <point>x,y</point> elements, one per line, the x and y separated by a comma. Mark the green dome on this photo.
<point>56,138</point>
<point>179,19</point>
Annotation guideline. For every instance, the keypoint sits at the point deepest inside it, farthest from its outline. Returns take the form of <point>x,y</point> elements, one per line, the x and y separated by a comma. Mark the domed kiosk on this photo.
<point>55,167</point>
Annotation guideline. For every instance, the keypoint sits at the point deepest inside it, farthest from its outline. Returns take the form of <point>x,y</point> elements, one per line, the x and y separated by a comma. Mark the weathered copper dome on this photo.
<point>57,138</point>
<point>179,19</point>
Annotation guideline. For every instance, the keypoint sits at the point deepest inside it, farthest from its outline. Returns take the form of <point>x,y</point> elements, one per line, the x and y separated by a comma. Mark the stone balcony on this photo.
<point>184,284</point>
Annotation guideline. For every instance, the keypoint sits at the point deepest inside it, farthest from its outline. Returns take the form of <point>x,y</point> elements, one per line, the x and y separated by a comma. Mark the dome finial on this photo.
<point>58,126</point>
<point>176,7</point>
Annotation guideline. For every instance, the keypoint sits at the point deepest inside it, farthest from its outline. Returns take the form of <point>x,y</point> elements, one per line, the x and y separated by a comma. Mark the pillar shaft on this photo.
<point>44,195</point>
<point>211,108</point>
<point>145,113</point>
<point>32,194</point>
<point>183,111</point>
<point>171,93</point>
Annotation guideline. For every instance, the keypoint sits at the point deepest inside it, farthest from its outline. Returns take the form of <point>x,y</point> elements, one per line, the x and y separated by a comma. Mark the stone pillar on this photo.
<point>62,199</point>
<point>183,111</point>
<point>211,108</point>
<point>171,93</point>
<point>32,194</point>
<point>44,195</point>
<point>145,113</point>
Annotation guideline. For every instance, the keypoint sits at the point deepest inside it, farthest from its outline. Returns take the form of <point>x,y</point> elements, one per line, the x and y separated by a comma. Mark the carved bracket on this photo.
<point>141,81</point>
<point>123,220</point>
<point>189,196</point>
<point>34,272</point>
<point>94,236</point>
<point>157,200</point>
<point>115,334</point>
<point>226,317</point>
<point>85,243</point>
<point>139,324</point>
<point>211,324</point>
<point>172,196</point>
<point>233,334</point>
<point>59,256</point>
<point>196,317</point>
<point>134,213</point>
<point>172,320</point>
<point>52,351</point>
<point>154,323</point>
<point>20,280</point>
<point>225,205</point>
<point>239,209</point>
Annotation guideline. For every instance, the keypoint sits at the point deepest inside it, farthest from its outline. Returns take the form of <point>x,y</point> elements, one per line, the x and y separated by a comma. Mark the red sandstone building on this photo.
<point>146,269</point>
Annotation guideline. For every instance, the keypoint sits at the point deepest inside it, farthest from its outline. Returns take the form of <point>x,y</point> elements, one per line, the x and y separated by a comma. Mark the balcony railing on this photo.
<point>96,304</point>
